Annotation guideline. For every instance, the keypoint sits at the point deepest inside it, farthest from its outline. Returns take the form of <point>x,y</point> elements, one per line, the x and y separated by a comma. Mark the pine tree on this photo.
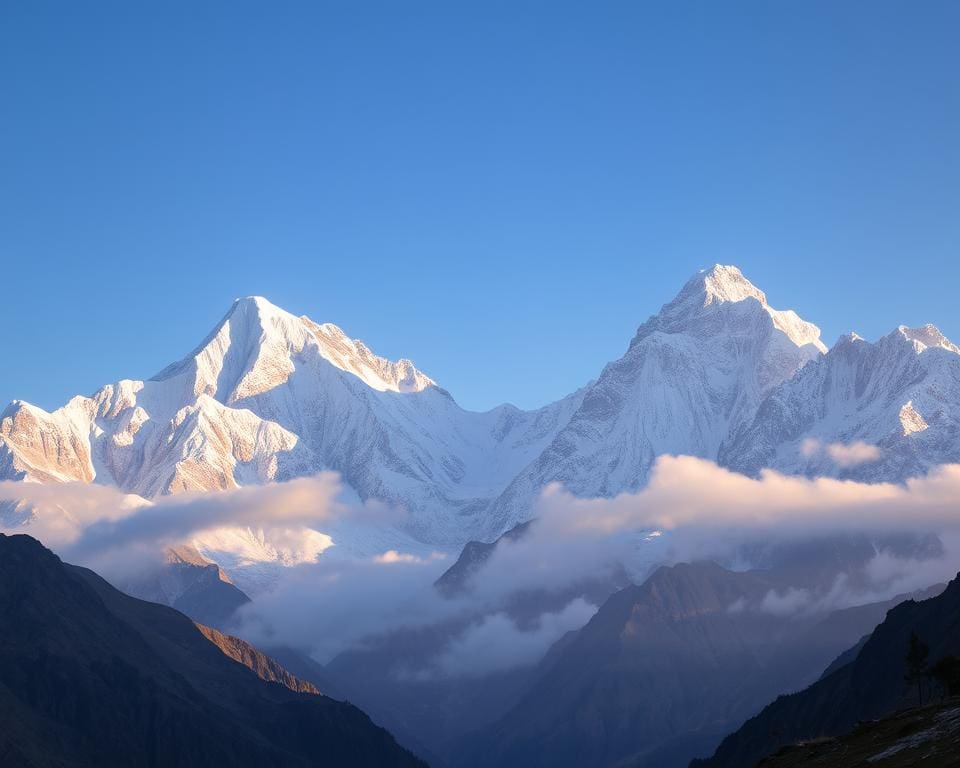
<point>917,653</point>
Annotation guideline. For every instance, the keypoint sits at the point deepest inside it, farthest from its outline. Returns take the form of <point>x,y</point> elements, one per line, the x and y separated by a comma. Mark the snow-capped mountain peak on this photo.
<point>720,284</point>
<point>724,292</point>
<point>850,338</point>
<point>269,396</point>
<point>726,283</point>
<point>694,374</point>
<point>255,347</point>
<point>927,337</point>
<point>895,400</point>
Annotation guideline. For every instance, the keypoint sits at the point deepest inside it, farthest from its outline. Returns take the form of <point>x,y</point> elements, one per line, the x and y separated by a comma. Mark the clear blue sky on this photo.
<point>499,191</point>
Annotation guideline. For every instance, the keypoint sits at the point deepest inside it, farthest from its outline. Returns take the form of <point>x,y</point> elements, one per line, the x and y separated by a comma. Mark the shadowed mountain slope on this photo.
<point>90,676</point>
<point>192,584</point>
<point>665,668</point>
<point>928,737</point>
<point>868,687</point>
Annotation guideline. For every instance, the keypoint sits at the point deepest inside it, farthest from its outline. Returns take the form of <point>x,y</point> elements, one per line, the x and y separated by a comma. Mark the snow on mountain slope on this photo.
<point>45,447</point>
<point>269,396</point>
<point>718,373</point>
<point>693,374</point>
<point>871,411</point>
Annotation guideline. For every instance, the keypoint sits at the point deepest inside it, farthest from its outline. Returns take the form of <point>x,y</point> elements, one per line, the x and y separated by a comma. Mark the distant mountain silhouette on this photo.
<point>664,669</point>
<point>191,583</point>
<point>472,558</point>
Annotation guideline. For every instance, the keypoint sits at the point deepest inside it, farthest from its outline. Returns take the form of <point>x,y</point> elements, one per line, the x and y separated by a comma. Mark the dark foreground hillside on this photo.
<point>92,677</point>
<point>870,686</point>
<point>928,737</point>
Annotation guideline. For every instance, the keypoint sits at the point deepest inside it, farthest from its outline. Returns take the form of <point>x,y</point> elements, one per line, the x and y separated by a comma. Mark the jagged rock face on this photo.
<point>260,664</point>
<point>36,445</point>
<point>717,373</point>
<point>897,397</point>
<point>89,676</point>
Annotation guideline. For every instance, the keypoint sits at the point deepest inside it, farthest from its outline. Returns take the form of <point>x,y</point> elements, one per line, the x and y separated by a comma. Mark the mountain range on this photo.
<point>717,373</point>
<point>659,675</point>
<point>666,667</point>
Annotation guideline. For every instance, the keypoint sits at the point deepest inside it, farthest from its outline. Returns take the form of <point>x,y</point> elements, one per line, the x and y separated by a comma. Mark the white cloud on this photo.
<point>852,454</point>
<point>496,643</point>
<point>393,556</point>
<point>785,602</point>
<point>107,530</point>
<point>703,510</point>
<point>686,492</point>
<point>844,455</point>
<point>336,603</point>
<point>708,512</point>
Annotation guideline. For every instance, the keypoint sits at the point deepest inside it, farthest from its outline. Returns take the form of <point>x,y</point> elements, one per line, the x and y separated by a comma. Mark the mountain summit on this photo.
<point>928,337</point>
<point>694,374</point>
<point>880,411</point>
<point>706,291</point>
<point>726,283</point>
<point>254,348</point>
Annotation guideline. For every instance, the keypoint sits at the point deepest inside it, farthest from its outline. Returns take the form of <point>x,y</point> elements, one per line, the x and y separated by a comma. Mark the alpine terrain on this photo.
<point>718,373</point>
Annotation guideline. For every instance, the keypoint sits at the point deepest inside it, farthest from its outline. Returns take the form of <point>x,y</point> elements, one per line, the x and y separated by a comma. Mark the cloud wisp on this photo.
<point>686,492</point>
<point>704,511</point>
<point>844,455</point>
<point>108,530</point>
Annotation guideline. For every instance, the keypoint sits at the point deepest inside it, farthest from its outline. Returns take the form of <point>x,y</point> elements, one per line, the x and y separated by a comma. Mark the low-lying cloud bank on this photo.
<point>118,533</point>
<point>703,511</point>
<point>496,642</point>
<point>684,492</point>
<point>699,509</point>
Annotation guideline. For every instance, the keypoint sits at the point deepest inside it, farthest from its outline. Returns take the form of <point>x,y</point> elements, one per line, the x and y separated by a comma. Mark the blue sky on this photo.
<point>500,191</point>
